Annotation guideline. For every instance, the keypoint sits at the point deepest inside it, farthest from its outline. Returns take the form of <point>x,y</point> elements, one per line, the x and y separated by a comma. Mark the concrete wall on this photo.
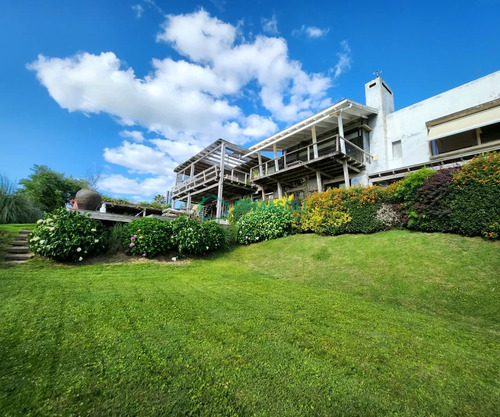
<point>408,124</point>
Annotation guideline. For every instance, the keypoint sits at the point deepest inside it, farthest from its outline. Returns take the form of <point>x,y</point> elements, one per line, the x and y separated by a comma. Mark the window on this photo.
<point>397,150</point>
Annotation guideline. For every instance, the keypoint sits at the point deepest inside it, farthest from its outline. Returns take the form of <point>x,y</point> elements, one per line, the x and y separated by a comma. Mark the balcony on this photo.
<point>327,155</point>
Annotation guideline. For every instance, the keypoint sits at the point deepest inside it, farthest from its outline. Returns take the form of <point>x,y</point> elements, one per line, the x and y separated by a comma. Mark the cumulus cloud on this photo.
<point>138,188</point>
<point>344,60</point>
<point>311,32</point>
<point>270,26</point>
<point>193,100</point>
<point>135,135</point>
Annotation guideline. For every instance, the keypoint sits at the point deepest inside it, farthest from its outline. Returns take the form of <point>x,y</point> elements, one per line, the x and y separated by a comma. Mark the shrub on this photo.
<point>213,236</point>
<point>474,196</point>
<point>430,212</point>
<point>256,226</point>
<point>148,237</point>
<point>67,236</point>
<point>16,207</point>
<point>116,237</point>
<point>391,216</point>
<point>406,191</point>
<point>341,210</point>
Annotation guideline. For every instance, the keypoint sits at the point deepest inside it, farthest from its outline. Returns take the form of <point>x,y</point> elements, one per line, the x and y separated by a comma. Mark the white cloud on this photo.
<point>135,135</point>
<point>191,101</point>
<point>138,9</point>
<point>139,189</point>
<point>270,26</point>
<point>139,158</point>
<point>344,62</point>
<point>311,32</point>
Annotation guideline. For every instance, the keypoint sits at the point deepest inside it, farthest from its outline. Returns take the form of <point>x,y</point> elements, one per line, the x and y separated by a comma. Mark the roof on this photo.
<point>236,157</point>
<point>325,120</point>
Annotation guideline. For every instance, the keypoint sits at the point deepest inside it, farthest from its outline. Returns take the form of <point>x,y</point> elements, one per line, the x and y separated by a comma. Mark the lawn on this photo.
<point>395,323</point>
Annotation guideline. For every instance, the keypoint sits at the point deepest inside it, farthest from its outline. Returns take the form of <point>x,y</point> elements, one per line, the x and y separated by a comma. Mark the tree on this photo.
<point>50,189</point>
<point>160,199</point>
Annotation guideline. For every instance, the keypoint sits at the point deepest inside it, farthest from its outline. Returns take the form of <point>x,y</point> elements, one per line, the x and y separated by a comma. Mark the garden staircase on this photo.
<point>19,251</point>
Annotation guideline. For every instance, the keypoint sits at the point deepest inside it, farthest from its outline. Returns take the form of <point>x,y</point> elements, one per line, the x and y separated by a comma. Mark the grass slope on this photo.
<point>395,323</point>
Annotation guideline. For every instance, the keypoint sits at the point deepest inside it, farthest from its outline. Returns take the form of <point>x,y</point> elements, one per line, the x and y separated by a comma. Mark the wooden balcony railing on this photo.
<point>331,145</point>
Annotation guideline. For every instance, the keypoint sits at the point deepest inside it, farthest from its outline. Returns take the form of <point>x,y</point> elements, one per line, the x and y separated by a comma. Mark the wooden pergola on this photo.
<point>221,171</point>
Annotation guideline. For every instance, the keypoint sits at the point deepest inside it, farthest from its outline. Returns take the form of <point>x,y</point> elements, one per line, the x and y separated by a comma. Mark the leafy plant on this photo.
<point>66,235</point>
<point>15,207</point>
<point>256,226</point>
<point>148,237</point>
<point>474,196</point>
<point>50,189</point>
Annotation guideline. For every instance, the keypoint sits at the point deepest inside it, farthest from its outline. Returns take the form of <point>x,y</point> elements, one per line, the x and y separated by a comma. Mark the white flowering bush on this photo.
<point>67,236</point>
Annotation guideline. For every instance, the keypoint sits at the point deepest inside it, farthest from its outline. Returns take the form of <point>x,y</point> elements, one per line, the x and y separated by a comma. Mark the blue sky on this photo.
<point>135,87</point>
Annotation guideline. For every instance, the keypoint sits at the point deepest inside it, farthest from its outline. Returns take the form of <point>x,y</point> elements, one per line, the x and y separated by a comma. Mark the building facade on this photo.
<point>350,143</point>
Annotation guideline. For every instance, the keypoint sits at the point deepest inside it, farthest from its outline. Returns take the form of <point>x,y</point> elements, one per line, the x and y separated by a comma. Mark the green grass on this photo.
<point>395,323</point>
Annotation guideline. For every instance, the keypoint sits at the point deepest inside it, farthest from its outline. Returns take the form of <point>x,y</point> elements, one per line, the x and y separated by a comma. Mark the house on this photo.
<point>350,143</point>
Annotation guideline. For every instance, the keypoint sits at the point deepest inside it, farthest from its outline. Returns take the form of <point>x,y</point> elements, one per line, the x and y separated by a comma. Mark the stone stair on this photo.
<point>19,251</point>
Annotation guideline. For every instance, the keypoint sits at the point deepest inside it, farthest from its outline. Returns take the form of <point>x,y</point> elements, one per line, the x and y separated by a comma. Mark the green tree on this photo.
<point>50,189</point>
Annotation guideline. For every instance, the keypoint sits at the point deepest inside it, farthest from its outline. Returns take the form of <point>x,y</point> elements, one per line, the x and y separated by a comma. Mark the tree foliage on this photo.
<point>50,189</point>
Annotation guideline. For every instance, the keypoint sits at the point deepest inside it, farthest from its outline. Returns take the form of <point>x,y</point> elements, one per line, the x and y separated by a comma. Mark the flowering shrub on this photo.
<point>67,236</point>
<point>148,237</point>
<point>391,216</point>
<point>341,210</point>
<point>474,196</point>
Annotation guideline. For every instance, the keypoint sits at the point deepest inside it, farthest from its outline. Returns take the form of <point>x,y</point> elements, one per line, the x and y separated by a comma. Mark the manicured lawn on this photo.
<point>396,323</point>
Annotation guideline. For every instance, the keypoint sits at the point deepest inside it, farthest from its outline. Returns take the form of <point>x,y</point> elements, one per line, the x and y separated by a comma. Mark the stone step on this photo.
<point>18,256</point>
<point>19,242</point>
<point>19,249</point>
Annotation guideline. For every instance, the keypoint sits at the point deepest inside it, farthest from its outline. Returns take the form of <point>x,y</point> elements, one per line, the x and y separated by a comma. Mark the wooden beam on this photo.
<point>221,181</point>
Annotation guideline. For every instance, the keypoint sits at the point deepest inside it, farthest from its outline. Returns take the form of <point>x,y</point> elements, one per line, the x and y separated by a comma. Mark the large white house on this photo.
<point>350,143</point>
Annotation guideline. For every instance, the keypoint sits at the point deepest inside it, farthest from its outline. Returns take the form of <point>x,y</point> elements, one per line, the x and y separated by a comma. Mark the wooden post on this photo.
<point>221,180</point>
<point>315,143</point>
<point>276,163</point>
<point>319,182</point>
<point>346,174</point>
<point>341,132</point>
<point>280,190</point>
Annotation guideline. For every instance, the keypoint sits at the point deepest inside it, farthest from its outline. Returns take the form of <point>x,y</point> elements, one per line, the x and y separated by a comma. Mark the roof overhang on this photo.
<point>324,120</point>
<point>235,156</point>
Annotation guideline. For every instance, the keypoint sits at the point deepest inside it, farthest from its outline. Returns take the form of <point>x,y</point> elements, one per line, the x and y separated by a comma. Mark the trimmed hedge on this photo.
<point>339,210</point>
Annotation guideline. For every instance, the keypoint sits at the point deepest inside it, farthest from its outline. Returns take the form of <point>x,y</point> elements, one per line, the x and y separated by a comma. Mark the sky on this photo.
<point>132,88</point>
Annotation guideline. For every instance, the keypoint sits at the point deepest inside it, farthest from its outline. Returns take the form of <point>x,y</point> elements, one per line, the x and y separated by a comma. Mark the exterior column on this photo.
<point>221,180</point>
<point>318,180</point>
<point>315,142</point>
<point>280,190</point>
<point>341,132</point>
<point>276,163</point>
<point>346,174</point>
